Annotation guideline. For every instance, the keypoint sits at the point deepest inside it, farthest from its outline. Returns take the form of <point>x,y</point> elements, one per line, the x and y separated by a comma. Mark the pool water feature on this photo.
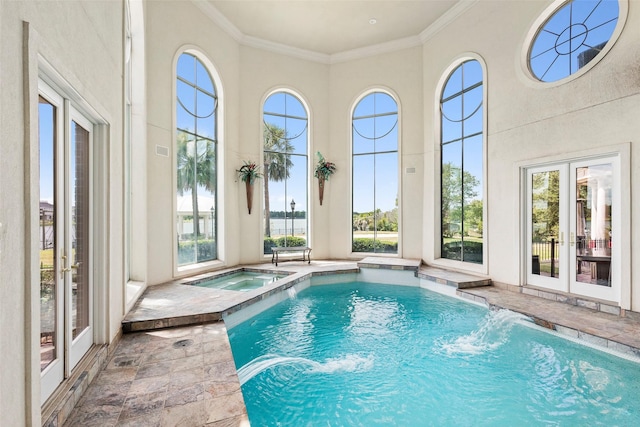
<point>241,281</point>
<point>366,354</point>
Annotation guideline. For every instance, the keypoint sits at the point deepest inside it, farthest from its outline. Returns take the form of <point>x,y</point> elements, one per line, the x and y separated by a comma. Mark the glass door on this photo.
<point>65,242</point>
<point>51,133</point>
<point>78,253</point>
<point>547,257</point>
<point>571,221</point>
<point>594,196</point>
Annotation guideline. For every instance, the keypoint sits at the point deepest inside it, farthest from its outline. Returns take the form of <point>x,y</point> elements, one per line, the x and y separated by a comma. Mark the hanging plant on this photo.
<point>324,169</point>
<point>249,171</point>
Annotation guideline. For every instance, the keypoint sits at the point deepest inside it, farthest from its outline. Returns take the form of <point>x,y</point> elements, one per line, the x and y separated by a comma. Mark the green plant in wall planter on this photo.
<point>248,173</point>
<point>323,171</point>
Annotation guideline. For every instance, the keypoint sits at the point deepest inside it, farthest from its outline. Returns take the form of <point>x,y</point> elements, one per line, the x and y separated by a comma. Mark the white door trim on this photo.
<point>622,265</point>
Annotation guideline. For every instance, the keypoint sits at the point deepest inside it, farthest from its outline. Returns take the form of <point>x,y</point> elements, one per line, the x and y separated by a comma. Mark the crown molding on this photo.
<point>376,49</point>
<point>404,43</point>
<point>286,49</point>
<point>450,15</point>
<point>218,18</point>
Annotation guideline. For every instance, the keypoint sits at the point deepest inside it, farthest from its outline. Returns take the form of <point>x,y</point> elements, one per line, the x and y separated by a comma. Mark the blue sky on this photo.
<point>46,120</point>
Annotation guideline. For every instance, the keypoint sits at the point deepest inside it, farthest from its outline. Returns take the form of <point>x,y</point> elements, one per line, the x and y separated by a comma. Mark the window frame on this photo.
<point>308,160</point>
<point>538,25</point>
<point>188,269</point>
<point>398,111</point>
<point>437,224</point>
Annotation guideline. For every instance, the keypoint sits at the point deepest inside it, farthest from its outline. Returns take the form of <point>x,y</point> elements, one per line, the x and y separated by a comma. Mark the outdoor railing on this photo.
<point>545,257</point>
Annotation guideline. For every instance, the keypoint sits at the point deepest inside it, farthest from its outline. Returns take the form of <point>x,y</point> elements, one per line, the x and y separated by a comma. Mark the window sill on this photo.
<point>191,269</point>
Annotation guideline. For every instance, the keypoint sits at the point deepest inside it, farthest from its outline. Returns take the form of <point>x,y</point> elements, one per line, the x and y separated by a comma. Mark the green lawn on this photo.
<point>466,239</point>
<point>46,257</point>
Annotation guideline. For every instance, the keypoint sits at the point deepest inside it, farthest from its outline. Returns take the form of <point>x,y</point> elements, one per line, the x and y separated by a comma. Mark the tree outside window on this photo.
<point>196,153</point>
<point>285,161</point>
<point>375,174</point>
<point>462,206</point>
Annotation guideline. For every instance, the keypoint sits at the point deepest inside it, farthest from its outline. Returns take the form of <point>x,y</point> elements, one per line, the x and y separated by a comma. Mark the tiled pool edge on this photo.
<point>225,307</point>
<point>558,327</point>
<point>196,280</point>
<point>458,282</point>
<point>171,322</point>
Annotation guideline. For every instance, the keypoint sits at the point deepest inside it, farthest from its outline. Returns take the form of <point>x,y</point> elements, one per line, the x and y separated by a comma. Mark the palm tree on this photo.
<point>277,163</point>
<point>196,168</point>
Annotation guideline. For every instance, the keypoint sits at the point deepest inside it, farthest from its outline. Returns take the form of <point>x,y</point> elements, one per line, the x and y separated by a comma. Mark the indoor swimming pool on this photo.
<point>362,354</point>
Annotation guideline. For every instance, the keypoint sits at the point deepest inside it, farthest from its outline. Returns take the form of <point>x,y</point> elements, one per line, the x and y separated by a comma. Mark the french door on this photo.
<point>65,138</point>
<point>573,216</point>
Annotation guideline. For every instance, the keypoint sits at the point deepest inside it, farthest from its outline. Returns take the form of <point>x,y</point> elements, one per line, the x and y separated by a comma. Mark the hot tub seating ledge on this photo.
<point>306,252</point>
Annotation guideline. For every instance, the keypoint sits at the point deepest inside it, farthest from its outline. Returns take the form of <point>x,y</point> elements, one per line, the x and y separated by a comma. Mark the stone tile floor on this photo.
<point>177,304</point>
<point>186,376</point>
<point>172,377</point>
<point>618,333</point>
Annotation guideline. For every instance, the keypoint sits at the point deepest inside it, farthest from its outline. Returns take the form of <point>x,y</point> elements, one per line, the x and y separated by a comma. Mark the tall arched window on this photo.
<point>375,174</point>
<point>462,127</point>
<point>196,152</point>
<point>286,129</point>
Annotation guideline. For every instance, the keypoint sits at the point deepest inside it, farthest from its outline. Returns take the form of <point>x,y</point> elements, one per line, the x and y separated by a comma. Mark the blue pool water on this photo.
<point>242,281</point>
<point>360,354</point>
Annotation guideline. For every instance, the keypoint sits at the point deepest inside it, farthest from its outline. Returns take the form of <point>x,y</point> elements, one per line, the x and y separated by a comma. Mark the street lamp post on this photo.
<point>293,208</point>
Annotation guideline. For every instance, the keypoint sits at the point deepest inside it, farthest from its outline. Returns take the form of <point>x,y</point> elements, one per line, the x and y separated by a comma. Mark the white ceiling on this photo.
<point>330,27</point>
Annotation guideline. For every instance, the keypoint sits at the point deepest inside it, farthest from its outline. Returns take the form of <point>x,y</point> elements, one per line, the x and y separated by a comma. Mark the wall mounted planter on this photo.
<point>249,188</point>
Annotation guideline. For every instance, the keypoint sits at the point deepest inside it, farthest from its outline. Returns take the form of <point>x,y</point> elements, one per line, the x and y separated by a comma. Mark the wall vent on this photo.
<point>162,151</point>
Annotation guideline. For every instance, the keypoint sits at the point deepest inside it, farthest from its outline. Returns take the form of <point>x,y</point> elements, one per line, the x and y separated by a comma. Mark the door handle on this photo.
<point>561,240</point>
<point>572,239</point>
<point>64,269</point>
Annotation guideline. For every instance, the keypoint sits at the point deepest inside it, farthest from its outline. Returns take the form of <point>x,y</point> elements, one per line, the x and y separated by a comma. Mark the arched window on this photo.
<point>196,153</point>
<point>286,129</point>
<point>462,128</point>
<point>375,174</point>
<point>571,37</point>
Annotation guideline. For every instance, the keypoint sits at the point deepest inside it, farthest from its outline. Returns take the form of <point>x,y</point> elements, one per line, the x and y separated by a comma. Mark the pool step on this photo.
<point>390,263</point>
<point>452,278</point>
<point>438,275</point>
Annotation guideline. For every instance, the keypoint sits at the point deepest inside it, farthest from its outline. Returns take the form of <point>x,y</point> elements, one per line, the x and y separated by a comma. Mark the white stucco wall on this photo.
<point>85,49</point>
<point>400,73</point>
<point>248,76</point>
<point>261,73</point>
<point>190,29</point>
<point>528,121</point>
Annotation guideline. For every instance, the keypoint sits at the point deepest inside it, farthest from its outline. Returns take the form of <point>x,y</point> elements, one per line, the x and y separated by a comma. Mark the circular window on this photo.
<point>572,37</point>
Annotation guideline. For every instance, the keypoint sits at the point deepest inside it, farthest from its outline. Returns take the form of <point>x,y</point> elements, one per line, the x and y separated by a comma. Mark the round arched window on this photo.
<point>572,37</point>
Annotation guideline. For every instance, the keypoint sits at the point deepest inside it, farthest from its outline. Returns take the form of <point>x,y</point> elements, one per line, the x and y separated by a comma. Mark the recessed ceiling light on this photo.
<point>372,21</point>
